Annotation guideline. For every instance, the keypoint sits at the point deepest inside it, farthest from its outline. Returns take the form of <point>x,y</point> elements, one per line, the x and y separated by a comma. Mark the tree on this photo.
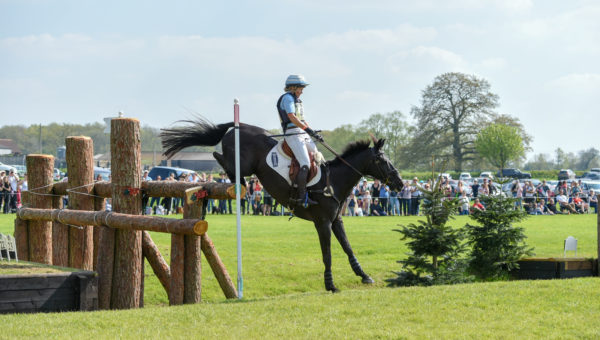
<point>496,245</point>
<point>500,144</point>
<point>435,246</point>
<point>453,110</point>
<point>588,159</point>
<point>540,161</point>
<point>393,127</point>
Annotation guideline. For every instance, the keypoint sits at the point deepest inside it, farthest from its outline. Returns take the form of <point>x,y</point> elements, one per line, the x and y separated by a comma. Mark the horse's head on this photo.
<point>381,168</point>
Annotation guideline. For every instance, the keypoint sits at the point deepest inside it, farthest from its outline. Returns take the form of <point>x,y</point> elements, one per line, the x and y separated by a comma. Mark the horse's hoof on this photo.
<point>334,290</point>
<point>367,280</point>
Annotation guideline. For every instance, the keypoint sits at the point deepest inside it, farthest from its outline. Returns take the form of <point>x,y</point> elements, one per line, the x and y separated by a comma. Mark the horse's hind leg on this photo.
<point>340,234</point>
<point>324,231</point>
<point>227,167</point>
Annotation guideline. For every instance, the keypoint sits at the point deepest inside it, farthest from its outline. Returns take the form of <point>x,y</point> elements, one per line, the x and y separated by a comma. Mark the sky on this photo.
<point>161,61</point>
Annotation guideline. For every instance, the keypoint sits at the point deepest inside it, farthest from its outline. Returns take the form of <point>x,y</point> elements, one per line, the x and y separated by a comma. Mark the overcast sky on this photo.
<point>160,61</point>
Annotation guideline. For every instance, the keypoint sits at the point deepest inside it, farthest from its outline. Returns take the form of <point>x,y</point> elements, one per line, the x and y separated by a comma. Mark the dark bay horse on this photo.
<point>255,144</point>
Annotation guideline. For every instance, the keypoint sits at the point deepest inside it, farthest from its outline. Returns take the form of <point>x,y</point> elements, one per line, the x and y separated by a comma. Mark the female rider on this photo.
<point>297,133</point>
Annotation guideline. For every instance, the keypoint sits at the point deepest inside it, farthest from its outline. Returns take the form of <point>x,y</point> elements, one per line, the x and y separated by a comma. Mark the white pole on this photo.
<point>236,120</point>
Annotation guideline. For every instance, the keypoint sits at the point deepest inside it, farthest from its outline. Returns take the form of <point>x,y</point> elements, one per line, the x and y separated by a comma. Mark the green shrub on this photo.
<point>435,246</point>
<point>496,245</point>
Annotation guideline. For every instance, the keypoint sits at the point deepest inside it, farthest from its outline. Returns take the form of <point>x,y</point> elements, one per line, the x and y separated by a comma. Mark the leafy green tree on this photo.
<point>496,245</point>
<point>453,110</point>
<point>500,144</point>
<point>435,246</point>
<point>393,127</point>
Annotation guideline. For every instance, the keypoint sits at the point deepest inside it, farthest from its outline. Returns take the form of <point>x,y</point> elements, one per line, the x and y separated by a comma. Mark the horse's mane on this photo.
<point>352,148</point>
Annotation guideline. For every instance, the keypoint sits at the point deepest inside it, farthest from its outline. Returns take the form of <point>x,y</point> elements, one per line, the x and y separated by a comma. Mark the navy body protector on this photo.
<point>286,123</point>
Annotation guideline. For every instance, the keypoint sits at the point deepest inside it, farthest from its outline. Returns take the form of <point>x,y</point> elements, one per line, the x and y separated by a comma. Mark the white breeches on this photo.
<point>301,145</point>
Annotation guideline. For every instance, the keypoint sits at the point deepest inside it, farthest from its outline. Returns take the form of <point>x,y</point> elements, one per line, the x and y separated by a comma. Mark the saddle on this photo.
<point>295,165</point>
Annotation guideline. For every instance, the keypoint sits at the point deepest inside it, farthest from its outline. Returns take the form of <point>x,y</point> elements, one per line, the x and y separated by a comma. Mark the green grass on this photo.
<point>284,294</point>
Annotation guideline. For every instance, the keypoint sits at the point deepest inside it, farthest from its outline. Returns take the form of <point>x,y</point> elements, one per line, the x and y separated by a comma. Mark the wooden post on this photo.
<point>105,266</point>
<point>40,169</point>
<point>80,164</point>
<point>60,237</point>
<point>126,160</point>
<point>21,239</point>
<point>193,256</point>
<point>218,268</point>
<point>176,290</point>
<point>99,205</point>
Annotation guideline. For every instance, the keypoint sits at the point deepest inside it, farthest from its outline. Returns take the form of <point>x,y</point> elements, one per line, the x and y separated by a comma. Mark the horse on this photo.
<point>341,175</point>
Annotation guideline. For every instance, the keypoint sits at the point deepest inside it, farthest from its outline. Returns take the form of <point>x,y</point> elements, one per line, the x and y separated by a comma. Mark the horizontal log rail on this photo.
<point>116,220</point>
<point>161,189</point>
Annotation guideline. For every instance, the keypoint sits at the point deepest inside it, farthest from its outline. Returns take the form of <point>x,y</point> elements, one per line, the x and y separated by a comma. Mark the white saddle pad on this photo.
<point>280,162</point>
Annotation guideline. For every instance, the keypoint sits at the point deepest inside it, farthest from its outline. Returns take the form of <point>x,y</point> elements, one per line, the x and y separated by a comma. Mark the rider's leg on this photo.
<point>297,142</point>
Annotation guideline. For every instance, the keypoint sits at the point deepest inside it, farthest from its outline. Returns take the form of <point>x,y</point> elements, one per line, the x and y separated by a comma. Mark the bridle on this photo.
<point>387,174</point>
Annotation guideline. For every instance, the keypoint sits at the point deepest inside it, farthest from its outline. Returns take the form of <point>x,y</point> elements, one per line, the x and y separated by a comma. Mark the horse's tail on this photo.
<point>200,132</point>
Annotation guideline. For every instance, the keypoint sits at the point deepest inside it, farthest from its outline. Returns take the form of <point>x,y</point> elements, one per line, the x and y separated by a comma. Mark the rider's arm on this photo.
<point>296,121</point>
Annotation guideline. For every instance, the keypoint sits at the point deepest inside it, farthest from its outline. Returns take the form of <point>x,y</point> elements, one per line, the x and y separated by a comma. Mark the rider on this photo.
<point>297,132</point>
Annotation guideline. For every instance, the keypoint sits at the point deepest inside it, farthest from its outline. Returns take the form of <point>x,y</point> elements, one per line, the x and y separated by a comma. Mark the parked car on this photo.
<point>595,170</point>
<point>487,174</point>
<point>104,172</point>
<point>465,176</point>
<point>513,173</point>
<point>166,171</point>
<point>591,176</point>
<point>7,168</point>
<point>565,174</point>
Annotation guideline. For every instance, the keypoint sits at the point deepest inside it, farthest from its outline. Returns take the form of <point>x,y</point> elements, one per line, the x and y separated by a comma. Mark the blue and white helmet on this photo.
<point>295,80</point>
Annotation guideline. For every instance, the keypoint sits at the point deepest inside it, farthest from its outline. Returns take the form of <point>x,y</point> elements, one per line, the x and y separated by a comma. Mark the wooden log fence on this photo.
<point>114,243</point>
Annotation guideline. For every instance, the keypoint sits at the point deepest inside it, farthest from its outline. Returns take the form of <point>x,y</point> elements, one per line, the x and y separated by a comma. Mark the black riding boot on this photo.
<point>301,179</point>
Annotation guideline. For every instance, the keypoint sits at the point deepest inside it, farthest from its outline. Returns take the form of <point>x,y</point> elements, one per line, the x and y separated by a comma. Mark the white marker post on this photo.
<point>236,120</point>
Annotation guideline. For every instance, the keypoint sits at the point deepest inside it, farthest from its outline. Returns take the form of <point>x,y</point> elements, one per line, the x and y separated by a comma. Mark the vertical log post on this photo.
<point>125,150</point>
<point>99,205</point>
<point>60,237</point>
<point>40,169</point>
<point>176,290</point>
<point>80,164</point>
<point>192,259</point>
<point>21,239</point>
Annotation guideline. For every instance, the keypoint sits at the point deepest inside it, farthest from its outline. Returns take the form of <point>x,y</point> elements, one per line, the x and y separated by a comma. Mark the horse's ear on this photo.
<point>379,144</point>
<point>373,138</point>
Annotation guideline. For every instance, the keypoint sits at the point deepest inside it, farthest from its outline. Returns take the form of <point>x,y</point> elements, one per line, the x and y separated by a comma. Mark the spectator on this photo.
<point>464,203</point>
<point>154,200</point>
<point>477,205</point>
<point>366,203</point>
<point>377,209</point>
<point>352,204</point>
<point>415,200</point>
<point>580,205</point>
<point>475,188</point>
<point>551,206</point>
<point>593,200</point>
<point>384,194</point>
<point>256,203</point>
<point>564,204</point>
<point>394,203</point>
<point>405,198</point>
<point>267,203</point>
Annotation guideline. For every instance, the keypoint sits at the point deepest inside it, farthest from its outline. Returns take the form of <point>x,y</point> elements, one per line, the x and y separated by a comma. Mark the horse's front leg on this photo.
<point>340,234</point>
<point>324,231</point>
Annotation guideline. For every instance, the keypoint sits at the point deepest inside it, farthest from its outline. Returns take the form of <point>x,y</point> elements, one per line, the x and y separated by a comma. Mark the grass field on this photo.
<point>284,294</point>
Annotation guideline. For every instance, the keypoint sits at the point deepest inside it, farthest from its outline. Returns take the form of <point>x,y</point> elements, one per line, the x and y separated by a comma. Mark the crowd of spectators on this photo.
<point>566,197</point>
<point>11,187</point>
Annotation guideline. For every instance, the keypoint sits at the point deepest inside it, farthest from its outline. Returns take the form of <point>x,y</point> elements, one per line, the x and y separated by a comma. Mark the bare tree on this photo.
<point>453,110</point>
